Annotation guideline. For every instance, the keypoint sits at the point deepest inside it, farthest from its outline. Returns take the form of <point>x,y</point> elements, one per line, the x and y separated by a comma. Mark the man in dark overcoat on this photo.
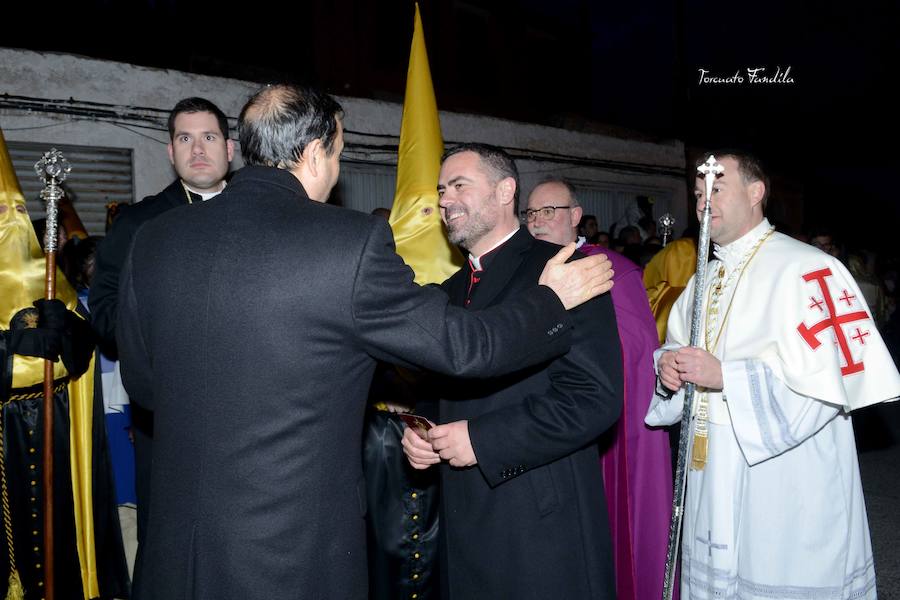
<point>254,338</point>
<point>523,514</point>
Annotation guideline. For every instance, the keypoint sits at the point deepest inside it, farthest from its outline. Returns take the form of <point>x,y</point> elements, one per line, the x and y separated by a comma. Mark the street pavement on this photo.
<point>878,440</point>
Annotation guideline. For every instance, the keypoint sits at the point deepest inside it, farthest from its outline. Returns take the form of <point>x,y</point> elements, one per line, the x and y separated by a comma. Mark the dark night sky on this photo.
<point>830,135</point>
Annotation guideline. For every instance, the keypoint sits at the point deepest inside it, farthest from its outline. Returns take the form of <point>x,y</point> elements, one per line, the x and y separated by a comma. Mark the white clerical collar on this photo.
<point>580,241</point>
<point>733,253</point>
<point>476,260</point>
<point>204,196</point>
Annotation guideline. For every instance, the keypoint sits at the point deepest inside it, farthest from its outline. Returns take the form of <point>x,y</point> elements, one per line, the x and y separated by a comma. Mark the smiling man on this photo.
<point>200,152</point>
<point>523,513</point>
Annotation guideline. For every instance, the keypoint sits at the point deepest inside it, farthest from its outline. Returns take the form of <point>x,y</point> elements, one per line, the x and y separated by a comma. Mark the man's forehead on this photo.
<point>200,120</point>
<point>730,167</point>
<point>721,180</point>
<point>465,164</point>
<point>549,192</point>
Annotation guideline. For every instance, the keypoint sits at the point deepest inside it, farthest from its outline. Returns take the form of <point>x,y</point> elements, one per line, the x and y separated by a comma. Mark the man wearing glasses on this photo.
<point>635,459</point>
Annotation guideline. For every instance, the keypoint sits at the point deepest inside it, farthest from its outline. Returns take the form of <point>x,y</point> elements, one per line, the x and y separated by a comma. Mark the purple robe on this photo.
<point>637,470</point>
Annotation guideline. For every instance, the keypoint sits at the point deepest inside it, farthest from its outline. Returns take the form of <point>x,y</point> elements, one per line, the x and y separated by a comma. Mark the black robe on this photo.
<point>22,420</point>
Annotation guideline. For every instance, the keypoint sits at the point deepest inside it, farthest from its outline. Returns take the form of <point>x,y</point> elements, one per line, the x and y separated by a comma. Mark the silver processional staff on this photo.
<point>710,170</point>
<point>52,169</point>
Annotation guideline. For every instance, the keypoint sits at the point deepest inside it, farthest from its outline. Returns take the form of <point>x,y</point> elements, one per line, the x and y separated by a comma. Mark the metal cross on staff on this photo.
<point>709,170</point>
<point>666,223</point>
<point>52,169</point>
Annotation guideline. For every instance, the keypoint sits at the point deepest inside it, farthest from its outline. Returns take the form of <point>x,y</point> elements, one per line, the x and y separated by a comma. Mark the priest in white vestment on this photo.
<point>775,507</point>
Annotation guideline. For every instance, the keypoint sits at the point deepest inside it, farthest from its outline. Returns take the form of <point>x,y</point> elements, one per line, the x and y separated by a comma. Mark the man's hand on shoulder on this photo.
<point>578,281</point>
<point>451,441</point>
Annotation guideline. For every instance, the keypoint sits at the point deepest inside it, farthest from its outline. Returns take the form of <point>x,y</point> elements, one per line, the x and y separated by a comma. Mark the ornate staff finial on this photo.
<point>710,170</point>
<point>666,223</point>
<point>52,169</point>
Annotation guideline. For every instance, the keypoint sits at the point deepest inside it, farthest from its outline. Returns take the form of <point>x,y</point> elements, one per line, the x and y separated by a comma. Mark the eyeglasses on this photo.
<point>546,212</point>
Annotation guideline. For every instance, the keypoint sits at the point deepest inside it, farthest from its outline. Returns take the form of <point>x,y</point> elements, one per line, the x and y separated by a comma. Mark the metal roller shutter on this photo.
<point>99,176</point>
<point>365,186</point>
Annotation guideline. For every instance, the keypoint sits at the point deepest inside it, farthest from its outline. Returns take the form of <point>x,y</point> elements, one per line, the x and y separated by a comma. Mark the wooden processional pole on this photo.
<point>52,170</point>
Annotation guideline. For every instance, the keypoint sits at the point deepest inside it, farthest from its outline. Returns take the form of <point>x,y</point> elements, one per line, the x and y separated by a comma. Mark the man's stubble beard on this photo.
<point>475,228</point>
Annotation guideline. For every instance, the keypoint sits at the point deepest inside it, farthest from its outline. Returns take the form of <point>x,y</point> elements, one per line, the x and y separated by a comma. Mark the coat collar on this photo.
<point>501,270</point>
<point>269,176</point>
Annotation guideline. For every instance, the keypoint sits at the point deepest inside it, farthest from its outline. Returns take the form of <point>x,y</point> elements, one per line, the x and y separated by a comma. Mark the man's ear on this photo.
<point>575,215</point>
<point>229,149</point>
<point>757,191</point>
<point>313,153</point>
<point>507,190</point>
<point>172,153</point>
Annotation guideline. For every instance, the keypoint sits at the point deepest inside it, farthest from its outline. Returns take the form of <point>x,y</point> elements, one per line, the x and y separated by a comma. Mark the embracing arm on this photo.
<point>403,323</point>
<point>583,399</point>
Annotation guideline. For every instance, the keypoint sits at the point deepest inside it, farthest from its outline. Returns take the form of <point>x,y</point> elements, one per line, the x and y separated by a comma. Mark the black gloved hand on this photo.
<point>43,343</point>
<point>75,334</point>
<point>51,314</point>
<point>77,344</point>
<point>60,333</point>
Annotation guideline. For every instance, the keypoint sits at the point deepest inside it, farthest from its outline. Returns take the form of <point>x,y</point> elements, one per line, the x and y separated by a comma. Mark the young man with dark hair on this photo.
<point>196,105</point>
<point>200,152</point>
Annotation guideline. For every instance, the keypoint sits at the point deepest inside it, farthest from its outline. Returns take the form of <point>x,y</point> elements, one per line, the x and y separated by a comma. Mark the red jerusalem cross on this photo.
<point>810,334</point>
<point>847,298</point>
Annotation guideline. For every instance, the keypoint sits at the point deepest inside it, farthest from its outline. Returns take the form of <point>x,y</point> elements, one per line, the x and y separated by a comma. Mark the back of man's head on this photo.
<point>280,120</point>
<point>195,105</point>
<point>496,162</point>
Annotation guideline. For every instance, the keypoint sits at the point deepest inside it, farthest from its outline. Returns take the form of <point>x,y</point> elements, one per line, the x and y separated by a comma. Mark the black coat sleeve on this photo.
<point>136,361</point>
<point>583,399</point>
<point>403,323</point>
<point>103,298</point>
